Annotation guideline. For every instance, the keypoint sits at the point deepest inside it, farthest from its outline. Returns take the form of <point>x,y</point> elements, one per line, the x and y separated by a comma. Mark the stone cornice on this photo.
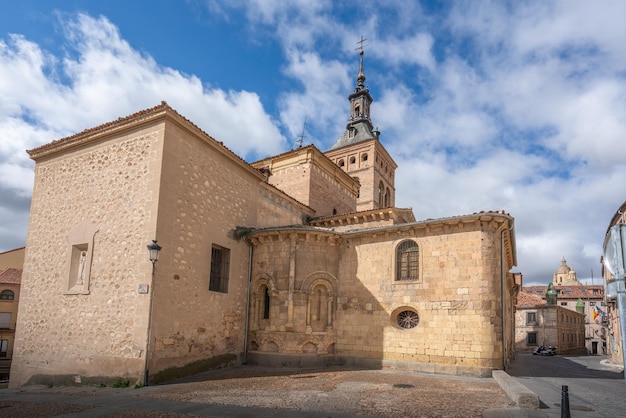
<point>313,235</point>
<point>499,220</point>
<point>358,218</point>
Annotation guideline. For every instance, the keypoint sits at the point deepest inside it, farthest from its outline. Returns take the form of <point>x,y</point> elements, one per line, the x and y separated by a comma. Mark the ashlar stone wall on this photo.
<point>456,299</point>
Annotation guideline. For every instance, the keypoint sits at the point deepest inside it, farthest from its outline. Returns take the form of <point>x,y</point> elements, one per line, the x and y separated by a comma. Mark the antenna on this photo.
<point>300,140</point>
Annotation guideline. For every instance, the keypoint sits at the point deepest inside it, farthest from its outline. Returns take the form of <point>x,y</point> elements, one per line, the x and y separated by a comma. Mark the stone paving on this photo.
<point>247,391</point>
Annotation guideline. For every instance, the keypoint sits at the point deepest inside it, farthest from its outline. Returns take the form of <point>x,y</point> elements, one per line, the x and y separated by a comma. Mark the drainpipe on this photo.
<point>502,299</point>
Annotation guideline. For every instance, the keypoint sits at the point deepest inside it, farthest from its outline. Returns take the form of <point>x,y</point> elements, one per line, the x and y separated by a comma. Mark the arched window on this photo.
<point>352,160</point>
<point>407,261</point>
<point>341,163</point>
<point>7,295</point>
<point>364,157</point>
<point>381,195</point>
<point>266,304</point>
<point>387,198</point>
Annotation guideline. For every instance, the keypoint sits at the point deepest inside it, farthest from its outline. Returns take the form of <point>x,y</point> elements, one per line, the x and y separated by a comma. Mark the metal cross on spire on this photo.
<point>361,42</point>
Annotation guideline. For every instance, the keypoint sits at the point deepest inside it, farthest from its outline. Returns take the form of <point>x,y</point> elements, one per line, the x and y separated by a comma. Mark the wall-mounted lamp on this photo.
<point>153,253</point>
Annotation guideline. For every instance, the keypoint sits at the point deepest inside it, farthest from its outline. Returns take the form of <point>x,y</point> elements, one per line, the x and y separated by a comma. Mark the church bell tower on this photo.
<point>358,151</point>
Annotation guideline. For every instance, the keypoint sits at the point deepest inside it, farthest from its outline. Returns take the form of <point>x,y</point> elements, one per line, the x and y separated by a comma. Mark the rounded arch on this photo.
<point>312,279</point>
<point>7,295</point>
<point>309,347</point>
<point>264,279</point>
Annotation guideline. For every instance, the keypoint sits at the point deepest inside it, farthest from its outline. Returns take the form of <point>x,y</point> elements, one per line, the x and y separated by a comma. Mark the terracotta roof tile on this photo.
<point>570,291</point>
<point>11,276</point>
<point>529,299</point>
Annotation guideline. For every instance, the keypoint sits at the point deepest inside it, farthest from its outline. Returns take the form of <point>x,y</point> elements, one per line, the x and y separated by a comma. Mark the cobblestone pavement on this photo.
<point>248,391</point>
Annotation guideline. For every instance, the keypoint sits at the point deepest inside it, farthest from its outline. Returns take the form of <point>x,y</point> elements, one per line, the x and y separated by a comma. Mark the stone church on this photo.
<point>300,259</point>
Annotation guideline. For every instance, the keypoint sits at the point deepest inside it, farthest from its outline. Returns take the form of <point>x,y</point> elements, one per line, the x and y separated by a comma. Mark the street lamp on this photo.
<point>153,253</point>
<point>614,258</point>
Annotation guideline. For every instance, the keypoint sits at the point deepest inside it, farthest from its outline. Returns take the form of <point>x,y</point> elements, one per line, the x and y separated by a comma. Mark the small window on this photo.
<point>592,303</point>
<point>220,265</point>
<point>563,303</point>
<point>7,295</point>
<point>352,160</point>
<point>405,317</point>
<point>5,320</point>
<point>266,303</point>
<point>595,291</point>
<point>531,318</point>
<point>407,261</point>
<point>364,157</point>
<point>408,319</point>
<point>4,348</point>
<point>531,338</point>
<point>341,163</point>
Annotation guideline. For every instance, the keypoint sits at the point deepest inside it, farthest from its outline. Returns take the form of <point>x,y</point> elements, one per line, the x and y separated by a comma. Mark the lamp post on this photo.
<point>614,261</point>
<point>153,253</point>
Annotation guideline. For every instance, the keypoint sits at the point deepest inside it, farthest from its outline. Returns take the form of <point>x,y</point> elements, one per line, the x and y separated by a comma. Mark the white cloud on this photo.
<point>484,106</point>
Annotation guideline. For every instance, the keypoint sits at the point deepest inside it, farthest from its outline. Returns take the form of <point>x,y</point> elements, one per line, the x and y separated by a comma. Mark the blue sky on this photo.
<point>484,105</point>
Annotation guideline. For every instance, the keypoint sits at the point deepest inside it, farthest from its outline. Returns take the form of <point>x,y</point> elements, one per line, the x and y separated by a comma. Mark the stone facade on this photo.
<point>10,280</point>
<point>338,294</point>
<point>274,262</point>
<point>540,324</point>
<point>575,296</point>
<point>106,193</point>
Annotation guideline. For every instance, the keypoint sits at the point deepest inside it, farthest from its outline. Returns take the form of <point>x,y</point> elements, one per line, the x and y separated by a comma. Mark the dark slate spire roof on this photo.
<point>359,127</point>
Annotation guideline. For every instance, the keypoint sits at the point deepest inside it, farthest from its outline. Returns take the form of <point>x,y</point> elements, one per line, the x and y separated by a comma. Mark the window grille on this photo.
<point>407,261</point>
<point>220,265</point>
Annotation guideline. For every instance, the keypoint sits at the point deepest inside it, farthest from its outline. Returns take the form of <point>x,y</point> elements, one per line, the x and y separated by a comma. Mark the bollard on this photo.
<point>564,402</point>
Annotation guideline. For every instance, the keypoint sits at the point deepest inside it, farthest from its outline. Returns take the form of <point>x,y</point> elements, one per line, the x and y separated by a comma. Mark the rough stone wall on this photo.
<point>109,184</point>
<point>294,180</point>
<point>204,197</point>
<point>274,210</point>
<point>299,269</point>
<point>327,196</point>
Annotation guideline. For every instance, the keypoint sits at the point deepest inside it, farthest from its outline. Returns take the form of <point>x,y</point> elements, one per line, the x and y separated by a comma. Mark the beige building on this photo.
<point>538,323</point>
<point>295,259</point>
<point>12,259</point>
<point>587,299</point>
<point>11,263</point>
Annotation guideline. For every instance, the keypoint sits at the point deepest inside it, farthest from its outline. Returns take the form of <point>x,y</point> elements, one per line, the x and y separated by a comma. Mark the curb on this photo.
<point>522,396</point>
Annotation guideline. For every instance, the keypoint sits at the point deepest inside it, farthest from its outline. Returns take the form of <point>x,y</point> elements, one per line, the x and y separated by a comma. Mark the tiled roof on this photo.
<point>11,276</point>
<point>529,299</point>
<point>569,292</point>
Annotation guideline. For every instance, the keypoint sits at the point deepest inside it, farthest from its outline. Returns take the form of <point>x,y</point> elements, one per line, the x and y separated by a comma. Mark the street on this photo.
<point>596,389</point>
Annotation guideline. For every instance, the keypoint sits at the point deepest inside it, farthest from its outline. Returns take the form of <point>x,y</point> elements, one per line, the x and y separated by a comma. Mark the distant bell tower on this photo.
<point>359,152</point>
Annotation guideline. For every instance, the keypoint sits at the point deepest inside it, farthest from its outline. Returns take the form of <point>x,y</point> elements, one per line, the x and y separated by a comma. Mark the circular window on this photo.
<point>407,319</point>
